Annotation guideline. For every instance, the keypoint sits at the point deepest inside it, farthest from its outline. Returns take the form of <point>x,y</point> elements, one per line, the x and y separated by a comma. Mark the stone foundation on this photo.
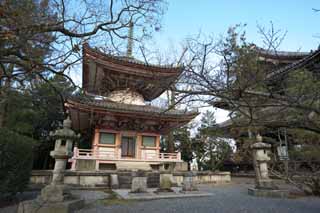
<point>102,178</point>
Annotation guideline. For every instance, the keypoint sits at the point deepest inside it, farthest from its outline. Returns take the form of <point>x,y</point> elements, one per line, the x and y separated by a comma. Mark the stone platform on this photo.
<point>275,193</point>
<point>89,179</point>
<point>151,194</point>
<point>36,206</point>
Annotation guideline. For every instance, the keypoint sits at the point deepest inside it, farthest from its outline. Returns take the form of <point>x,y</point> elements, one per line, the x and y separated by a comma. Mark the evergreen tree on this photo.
<point>211,150</point>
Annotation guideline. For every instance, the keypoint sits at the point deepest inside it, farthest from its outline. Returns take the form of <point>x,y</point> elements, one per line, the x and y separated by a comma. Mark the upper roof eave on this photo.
<point>131,62</point>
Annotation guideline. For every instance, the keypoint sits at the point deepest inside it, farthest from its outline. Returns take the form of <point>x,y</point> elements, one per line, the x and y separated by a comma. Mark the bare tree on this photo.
<point>231,73</point>
<point>41,38</point>
<point>261,94</point>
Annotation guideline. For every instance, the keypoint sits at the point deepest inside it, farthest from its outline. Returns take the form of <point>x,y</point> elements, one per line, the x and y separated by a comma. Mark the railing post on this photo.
<point>75,152</point>
<point>119,154</point>
<point>73,165</point>
<point>161,156</point>
<point>179,156</point>
<point>74,158</point>
<point>95,152</point>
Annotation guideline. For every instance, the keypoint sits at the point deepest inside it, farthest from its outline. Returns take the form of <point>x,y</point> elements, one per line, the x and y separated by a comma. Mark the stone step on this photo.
<point>133,166</point>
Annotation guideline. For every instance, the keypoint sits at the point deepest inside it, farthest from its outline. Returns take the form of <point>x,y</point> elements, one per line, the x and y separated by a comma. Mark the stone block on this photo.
<point>189,182</point>
<point>268,193</point>
<point>265,184</point>
<point>92,181</point>
<point>165,182</point>
<point>71,180</point>
<point>177,180</point>
<point>114,181</point>
<point>139,184</point>
<point>181,166</point>
<point>36,206</point>
<point>85,165</point>
<point>38,179</point>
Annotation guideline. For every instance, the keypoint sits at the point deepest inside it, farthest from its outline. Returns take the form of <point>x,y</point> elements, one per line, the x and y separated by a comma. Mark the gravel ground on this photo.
<point>227,198</point>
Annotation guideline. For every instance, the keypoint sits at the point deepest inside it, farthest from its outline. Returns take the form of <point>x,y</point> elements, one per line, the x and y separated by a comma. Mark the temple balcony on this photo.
<point>112,156</point>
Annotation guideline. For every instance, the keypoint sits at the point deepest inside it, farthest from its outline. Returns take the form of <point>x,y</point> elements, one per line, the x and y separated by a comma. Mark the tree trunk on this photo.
<point>4,89</point>
<point>170,143</point>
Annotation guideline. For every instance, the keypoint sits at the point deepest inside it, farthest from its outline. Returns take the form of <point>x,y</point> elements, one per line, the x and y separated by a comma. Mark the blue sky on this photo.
<point>186,17</point>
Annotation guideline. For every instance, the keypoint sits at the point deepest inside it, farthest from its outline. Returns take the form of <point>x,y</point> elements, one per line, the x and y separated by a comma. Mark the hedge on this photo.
<point>16,156</point>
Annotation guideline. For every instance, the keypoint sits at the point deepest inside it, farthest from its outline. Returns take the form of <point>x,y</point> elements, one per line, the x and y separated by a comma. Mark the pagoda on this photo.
<point>116,110</point>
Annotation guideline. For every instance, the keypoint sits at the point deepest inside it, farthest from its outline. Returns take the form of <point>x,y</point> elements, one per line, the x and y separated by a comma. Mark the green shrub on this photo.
<point>15,162</point>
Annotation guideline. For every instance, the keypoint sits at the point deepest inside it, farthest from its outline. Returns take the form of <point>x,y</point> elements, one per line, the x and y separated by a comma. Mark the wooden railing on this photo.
<point>170,156</point>
<point>111,155</point>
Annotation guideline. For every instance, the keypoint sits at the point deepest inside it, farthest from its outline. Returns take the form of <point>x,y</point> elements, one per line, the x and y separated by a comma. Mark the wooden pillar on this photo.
<point>158,145</point>
<point>118,146</point>
<point>95,141</point>
<point>95,146</point>
<point>139,145</point>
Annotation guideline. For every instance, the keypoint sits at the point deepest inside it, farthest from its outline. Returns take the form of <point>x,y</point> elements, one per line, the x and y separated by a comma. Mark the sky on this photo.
<point>185,18</point>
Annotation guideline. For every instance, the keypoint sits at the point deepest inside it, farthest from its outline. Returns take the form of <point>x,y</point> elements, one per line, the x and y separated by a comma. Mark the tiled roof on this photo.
<point>293,66</point>
<point>132,61</point>
<point>280,54</point>
<point>129,108</point>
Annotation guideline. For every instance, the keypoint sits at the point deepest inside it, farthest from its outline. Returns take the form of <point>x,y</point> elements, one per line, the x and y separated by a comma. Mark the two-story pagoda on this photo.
<point>126,130</point>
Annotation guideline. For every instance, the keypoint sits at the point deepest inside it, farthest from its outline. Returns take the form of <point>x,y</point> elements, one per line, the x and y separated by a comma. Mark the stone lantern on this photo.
<point>62,150</point>
<point>56,191</point>
<point>55,197</point>
<point>261,157</point>
<point>264,186</point>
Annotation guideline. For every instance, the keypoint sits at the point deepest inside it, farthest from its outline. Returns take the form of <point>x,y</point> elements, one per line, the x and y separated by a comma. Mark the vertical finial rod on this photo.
<point>130,40</point>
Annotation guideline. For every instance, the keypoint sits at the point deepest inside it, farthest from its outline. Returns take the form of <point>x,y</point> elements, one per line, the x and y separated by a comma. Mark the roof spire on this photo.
<point>130,40</point>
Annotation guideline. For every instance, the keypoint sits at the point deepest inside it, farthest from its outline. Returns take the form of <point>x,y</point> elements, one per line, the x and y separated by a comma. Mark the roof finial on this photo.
<point>130,40</point>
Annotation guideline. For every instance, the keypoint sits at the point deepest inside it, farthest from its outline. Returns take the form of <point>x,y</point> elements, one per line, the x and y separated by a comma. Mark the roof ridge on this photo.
<point>282,53</point>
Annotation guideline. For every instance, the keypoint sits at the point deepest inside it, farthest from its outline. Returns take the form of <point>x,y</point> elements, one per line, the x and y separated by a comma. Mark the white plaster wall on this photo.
<point>127,97</point>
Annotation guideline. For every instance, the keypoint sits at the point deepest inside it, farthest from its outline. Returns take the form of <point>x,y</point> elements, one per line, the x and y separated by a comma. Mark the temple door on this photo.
<point>128,146</point>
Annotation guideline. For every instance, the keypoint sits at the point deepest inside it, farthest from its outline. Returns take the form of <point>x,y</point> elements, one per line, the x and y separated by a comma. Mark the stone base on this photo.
<point>266,185</point>
<point>189,183</point>
<point>54,193</point>
<point>139,184</point>
<point>167,190</point>
<point>151,194</point>
<point>36,206</point>
<point>276,193</point>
